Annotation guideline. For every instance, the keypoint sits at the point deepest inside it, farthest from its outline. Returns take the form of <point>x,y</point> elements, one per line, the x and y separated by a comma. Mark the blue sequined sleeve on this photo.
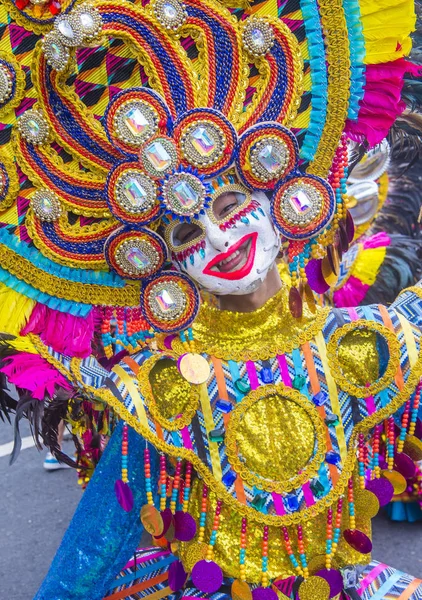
<point>101,537</point>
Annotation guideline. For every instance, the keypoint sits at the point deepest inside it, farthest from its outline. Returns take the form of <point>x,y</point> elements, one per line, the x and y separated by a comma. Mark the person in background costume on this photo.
<point>227,138</point>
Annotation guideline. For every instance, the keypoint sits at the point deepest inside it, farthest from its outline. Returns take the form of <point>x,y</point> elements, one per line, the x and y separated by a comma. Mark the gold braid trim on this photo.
<point>336,368</point>
<point>20,83</point>
<point>308,472</point>
<point>14,186</point>
<point>63,288</point>
<point>338,58</point>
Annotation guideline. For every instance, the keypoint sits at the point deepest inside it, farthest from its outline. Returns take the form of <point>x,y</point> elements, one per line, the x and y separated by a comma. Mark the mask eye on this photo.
<point>227,204</point>
<point>186,233</point>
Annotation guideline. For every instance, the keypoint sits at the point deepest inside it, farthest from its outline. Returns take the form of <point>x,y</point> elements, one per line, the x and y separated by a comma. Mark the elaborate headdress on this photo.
<point>124,117</point>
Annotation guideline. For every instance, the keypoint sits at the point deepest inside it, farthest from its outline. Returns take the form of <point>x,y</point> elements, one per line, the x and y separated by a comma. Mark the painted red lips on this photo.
<point>246,243</point>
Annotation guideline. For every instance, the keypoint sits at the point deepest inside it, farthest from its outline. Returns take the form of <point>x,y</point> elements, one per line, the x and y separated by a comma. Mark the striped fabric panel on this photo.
<point>381,582</point>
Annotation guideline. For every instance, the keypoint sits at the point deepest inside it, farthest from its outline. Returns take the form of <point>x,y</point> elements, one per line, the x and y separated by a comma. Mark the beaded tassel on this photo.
<point>302,553</point>
<point>290,553</point>
<point>351,501</point>
<point>337,526</point>
<point>403,428</point>
<point>203,516</point>
<point>264,567</point>
<point>242,553</point>
<point>125,446</point>
<point>163,482</point>
<point>329,539</point>
<point>176,484</point>
<point>376,452</point>
<point>186,490</point>
<point>106,332</point>
<point>215,525</point>
<point>147,470</point>
<point>389,443</point>
<point>415,409</point>
<point>361,460</point>
<point>187,340</point>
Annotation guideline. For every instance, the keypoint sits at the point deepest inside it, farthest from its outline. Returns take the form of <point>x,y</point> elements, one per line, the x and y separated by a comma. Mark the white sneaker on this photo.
<point>52,464</point>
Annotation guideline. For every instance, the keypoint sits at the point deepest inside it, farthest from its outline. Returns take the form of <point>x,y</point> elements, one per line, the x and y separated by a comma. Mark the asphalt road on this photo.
<point>36,507</point>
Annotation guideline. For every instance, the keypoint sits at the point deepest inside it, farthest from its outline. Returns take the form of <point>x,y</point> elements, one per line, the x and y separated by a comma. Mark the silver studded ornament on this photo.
<point>46,205</point>
<point>258,36</point>
<point>90,21</point>
<point>6,84</point>
<point>135,192</point>
<point>137,257</point>
<point>269,158</point>
<point>33,127</point>
<point>184,194</point>
<point>166,300</point>
<point>134,122</point>
<point>301,203</point>
<point>159,157</point>
<point>202,143</point>
<point>68,28</point>
<point>56,53</point>
<point>171,14</point>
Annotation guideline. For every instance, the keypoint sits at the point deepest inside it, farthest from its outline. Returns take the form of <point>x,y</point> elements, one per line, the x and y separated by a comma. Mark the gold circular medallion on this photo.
<point>396,479</point>
<point>366,504</point>
<point>195,552</point>
<point>241,590</point>
<point>194,368</point>
<point>152,520</point>
<point>413,447</point>
<point>314,588</point>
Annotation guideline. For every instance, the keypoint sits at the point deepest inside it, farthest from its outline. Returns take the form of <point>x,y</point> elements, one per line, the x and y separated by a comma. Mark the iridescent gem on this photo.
<point>217,435</point>
<point>55,50</point>
<point>137,258</point>
<point>300,202</point>
<point>270,158</point>
<point>134,192</point>
<point>34,127</point>
<point>185,194</point>
<point>333,458</point>
<point>332,420</point>
<point>259,501</point>
<point>266,375</point>
<point>158,156</point>
<point>317,488</point>
<point>224,406</point>
<point>87,20</point>
<point>46,205</point>
<point>56,53</point>
<point>242,386</point>
<point>65,29</point>
<point>257,37</point>
<point>202,142</point>
<point>169,11</point>
<point>320,398</point>
<point>292,502</point>
<point>165,301</point>
<point>68,27</point>
<point>229,478</point>
<point>298,382</point>
<point>135,121</point>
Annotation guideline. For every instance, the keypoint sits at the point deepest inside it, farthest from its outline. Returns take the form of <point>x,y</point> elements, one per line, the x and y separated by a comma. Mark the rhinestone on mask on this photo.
<point>202,143</point>
<point>90,21</point>
<point>33,127</point>
<point>258,36</point>
<point>184,194</point>
<point>170,13</point>
<point>6,84</point>
<point>269,159</point>
<point>46,205</point>
<point>166,300</point>
<point>134,122</point>
<point>301,204</point>
<point>135,192</point>
<point>68,28</point>
<point>56,53</point>
<point>137,257</point>
<point>159,157</point>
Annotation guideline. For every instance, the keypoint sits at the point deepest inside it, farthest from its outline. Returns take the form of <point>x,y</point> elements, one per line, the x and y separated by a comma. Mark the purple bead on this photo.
<point>382,489</point>
<point>224,406</point>
<point>333,458</point>
<point>320,398</point>
<point>405,465</point>
<point>315,277</point>
<point>124,495</point>
<point>207,576</point>
<point>334,579</point>
<point>229,478</point>
<point>176,576</point>
<point>264,594</point>
<point>185,526</point>
<point>358,540</point>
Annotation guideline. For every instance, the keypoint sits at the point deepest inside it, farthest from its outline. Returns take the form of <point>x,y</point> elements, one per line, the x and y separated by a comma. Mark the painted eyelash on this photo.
<point>241,215</point>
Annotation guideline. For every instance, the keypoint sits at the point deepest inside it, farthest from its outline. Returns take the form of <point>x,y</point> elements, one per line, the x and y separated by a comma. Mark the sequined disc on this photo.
<point>334,579</point>
<point>195,553</point>
<point>366,504</point>
<point>262,593</point>
<point>124,495</point>
<point>396,479</point>
<point>382,489</point>
<point>167,517</point>
<point>314,588</point>
<point>316,563</point>
<point>194,368</point>
<point>152,520</point>
<point>176,576</point>
<point>413,447</point>
<point>358,540</point>
<point>207,576</point>
<point>185,526</point>
<point>241,590</point>
<point>404,465</point>
<point>327,272</point>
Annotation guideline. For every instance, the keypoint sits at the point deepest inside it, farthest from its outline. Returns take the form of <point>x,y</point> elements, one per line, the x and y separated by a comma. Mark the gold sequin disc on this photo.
<point>413,447</point>
<point>241,590</point>
<point>314,588</point>
<point>318,562</point>
<point>194,368</point>
<point>366,504</point>
<point>327,272</point>
<point>152,519</point>
<point>396,479</point>
<point>196,552</point>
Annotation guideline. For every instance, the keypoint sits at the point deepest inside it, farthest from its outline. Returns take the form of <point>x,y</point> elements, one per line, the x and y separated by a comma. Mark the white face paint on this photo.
<point>231,248</point>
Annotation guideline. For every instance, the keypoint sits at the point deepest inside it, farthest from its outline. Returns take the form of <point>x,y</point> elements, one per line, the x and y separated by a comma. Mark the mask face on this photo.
<point>231,248</point>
